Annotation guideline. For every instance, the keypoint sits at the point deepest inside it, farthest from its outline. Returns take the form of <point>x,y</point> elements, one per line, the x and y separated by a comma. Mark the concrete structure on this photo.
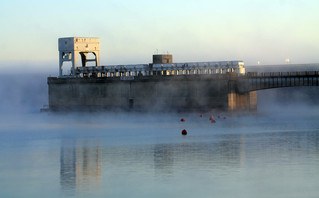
<point>145,93</point>
<point>70,49</point>
<point>202,92</point>
<point>161,85</point>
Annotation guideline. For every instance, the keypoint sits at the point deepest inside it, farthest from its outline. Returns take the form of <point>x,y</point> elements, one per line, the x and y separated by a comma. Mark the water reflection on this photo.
<point>80,165</point>
<point>198,154</point>
<point>216,160</point>
<point>81,160</point>
<point>163,158</point>
<point>67,168</point>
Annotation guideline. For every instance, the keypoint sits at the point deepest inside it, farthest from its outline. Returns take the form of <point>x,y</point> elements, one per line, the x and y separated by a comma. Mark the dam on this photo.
<point>162,85</point>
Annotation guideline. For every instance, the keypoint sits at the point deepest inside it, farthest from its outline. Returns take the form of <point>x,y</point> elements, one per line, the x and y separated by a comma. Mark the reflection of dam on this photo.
<point>132,165</point>
<point>80,165</point>
<point>165,159</point>
<point>221,151</point>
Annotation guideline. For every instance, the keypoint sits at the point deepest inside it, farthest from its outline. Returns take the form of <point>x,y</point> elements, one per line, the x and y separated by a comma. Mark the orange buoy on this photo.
<point>213,121</point>
<point>182,120</point>
<point>211,117</point>
<point>184,132</point>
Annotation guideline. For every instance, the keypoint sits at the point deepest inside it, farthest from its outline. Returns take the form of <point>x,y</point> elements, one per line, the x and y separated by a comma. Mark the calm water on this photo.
<point>272,154</point>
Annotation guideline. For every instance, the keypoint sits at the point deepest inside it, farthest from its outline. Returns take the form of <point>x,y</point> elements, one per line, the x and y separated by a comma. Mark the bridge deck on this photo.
<point>257,81</point>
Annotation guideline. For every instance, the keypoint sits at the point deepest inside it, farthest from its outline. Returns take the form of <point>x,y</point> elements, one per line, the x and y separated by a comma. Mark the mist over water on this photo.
<point>271,153</point>
<point>23,93</point>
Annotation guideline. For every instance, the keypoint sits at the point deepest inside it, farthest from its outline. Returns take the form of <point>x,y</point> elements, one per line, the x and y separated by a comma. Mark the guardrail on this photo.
<point>191,68</point>
<point>267,80</point>
<point>282,74</point>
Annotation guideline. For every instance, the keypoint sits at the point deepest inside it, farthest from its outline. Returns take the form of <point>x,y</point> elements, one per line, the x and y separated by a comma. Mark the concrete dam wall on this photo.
<point>159,86</point>
<point>149,93</point>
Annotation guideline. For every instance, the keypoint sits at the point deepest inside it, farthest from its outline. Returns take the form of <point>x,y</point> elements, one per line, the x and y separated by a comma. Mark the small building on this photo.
<point>71,47</point>
<point>162,58</point>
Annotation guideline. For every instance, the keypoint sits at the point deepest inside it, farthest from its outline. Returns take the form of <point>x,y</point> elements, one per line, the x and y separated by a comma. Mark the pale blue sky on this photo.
<point>268,31</point>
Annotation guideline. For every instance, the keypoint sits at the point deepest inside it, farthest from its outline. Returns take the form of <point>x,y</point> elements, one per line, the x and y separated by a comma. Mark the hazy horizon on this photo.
<point>130,32</point>
<point>269,153</point>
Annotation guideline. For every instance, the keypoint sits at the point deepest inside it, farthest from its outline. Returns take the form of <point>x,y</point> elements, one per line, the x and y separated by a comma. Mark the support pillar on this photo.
<point>242,102</point>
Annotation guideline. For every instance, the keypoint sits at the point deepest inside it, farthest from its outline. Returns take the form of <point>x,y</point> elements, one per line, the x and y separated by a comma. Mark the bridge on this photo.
<point>243,89</point>
<point>254,81</point>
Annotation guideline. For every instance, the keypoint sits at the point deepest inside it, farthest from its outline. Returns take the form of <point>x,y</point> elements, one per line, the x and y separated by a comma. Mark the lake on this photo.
<point>271,153</point>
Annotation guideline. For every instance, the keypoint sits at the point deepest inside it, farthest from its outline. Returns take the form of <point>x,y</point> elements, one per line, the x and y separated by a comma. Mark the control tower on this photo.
<point>71,47</point>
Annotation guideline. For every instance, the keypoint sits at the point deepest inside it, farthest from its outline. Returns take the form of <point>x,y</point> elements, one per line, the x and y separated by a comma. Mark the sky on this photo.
<point>268,31</point>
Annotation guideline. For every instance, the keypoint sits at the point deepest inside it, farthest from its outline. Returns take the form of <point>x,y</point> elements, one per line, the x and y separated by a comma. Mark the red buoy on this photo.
<point>201,115</point>
<point>184,132</point>
<point>224,117</point>
<point>182,120</point>
<point>218,117</point>
<point>211,117</point>
<point>213,121</point>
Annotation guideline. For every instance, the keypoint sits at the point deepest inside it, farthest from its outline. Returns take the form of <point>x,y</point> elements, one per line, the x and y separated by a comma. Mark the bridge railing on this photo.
<point>266,80</point>
<point>282,74</point>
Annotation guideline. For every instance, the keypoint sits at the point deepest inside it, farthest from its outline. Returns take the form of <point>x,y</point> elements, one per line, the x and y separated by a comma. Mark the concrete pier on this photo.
<point>246,101</point>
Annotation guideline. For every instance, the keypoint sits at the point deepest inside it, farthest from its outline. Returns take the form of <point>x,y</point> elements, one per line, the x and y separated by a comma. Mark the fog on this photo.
<point>23,92</point>
<point>138,154</point>
<point>23,95</point>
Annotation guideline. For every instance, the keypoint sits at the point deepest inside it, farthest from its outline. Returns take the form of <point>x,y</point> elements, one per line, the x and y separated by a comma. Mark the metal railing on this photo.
<point>282,74</point>
<point>267,80</point>
<point>161,69</point>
